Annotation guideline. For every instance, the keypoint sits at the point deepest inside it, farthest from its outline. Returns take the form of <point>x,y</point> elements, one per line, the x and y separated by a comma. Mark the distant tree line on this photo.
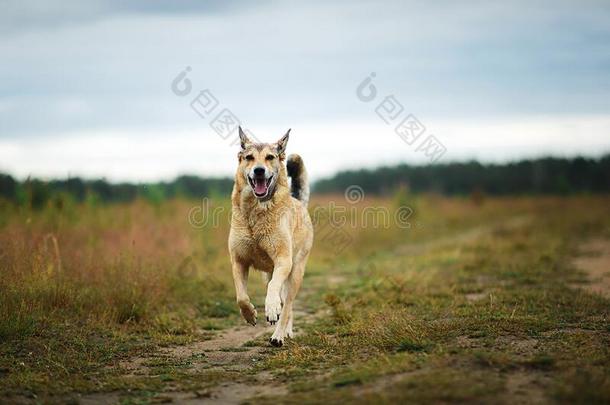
<point>538,176</point>
<point>36,193</point>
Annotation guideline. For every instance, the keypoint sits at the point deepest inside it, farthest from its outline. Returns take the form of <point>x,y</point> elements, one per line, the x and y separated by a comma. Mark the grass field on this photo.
<point>475,300</point>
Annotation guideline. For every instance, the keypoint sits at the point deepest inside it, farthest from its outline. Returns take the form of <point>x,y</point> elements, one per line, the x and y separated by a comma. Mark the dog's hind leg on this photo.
<point>284,295</point>
<point>266,277</point>
<point>289,292</point>
<point>289,332</point>
<point>240,278</point>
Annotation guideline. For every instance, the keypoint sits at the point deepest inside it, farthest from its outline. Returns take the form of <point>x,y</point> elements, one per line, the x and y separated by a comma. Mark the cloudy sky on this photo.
<point>87,87</point>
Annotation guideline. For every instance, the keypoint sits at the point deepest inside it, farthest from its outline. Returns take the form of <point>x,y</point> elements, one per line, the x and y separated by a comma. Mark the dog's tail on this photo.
<point>299,187</point>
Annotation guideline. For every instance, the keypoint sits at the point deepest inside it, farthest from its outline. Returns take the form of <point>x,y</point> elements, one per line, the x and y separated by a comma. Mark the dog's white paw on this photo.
<point>248,312</point>
<point>273,308</point>
<point>277,339</point>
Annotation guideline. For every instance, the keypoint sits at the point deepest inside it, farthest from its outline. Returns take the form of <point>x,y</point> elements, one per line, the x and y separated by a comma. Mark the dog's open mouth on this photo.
<point>260,185</point>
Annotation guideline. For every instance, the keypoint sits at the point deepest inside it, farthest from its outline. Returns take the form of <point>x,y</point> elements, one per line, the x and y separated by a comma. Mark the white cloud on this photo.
<point>325,148</point>
<point>513,71</point>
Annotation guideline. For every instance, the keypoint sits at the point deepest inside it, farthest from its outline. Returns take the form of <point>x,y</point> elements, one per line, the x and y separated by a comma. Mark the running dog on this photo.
<point>271,230</point>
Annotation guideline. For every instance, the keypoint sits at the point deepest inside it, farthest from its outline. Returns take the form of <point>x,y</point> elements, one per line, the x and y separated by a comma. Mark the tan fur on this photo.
<point>274,236</point>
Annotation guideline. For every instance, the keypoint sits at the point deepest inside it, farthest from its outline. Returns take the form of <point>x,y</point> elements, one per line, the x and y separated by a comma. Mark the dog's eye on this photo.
<point>249,157</point>
<point>270,157</point>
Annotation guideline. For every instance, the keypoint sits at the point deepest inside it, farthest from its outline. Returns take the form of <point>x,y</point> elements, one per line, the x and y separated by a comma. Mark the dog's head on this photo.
<point>261,164</point>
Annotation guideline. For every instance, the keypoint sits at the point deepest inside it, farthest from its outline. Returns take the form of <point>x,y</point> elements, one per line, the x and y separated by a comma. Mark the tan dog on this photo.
<point>270,229</point>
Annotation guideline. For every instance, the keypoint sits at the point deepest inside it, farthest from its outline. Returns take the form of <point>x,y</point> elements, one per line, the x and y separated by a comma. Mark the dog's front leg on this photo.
<point>273,302</point>
<point>289,292</point>
<point>240,278</point>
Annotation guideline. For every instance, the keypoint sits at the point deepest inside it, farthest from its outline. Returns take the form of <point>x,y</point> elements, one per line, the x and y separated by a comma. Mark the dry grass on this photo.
<point>112,264</point>
<point>85,286</point>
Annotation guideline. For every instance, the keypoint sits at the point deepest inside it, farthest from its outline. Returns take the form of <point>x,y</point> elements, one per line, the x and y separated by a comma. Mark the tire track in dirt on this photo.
<point>594,261</point>
<point>234,351</point>
<point>231,351</point>
<point>228,352</point>
<point>463,237</point>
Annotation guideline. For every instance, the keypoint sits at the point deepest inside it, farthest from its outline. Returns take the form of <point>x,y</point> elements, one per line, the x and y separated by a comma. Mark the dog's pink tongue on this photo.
<point>260,186</point>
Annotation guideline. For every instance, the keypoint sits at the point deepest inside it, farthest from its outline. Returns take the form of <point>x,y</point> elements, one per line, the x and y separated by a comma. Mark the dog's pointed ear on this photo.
<point>243,139</point>
<point>282,143</point>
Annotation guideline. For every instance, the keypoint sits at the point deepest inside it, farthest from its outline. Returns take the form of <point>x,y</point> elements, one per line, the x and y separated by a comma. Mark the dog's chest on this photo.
<point>256,233</point>
<point>251,251</point>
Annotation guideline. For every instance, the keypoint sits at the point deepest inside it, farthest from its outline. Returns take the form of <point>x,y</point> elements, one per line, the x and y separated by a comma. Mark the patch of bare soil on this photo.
<point>228,351</point>
<point>525,347</point>
<point>386,382</point>
<point>232,393</point>
<point>99,399</point>
<point>524,387</point>
<point>473,297</point>
<point>521,386</point>
<point>594,260</point>
<point>232,351</point>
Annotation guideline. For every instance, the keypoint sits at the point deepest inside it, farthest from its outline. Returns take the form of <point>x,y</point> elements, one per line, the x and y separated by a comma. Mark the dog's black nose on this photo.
<point>259,171</point>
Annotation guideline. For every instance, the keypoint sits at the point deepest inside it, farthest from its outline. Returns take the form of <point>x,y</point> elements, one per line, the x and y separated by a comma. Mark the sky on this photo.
<point>139,91</point>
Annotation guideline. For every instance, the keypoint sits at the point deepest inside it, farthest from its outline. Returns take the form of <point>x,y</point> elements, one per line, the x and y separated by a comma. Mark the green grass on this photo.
<point>476,303</point>
<point>413,313</point>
